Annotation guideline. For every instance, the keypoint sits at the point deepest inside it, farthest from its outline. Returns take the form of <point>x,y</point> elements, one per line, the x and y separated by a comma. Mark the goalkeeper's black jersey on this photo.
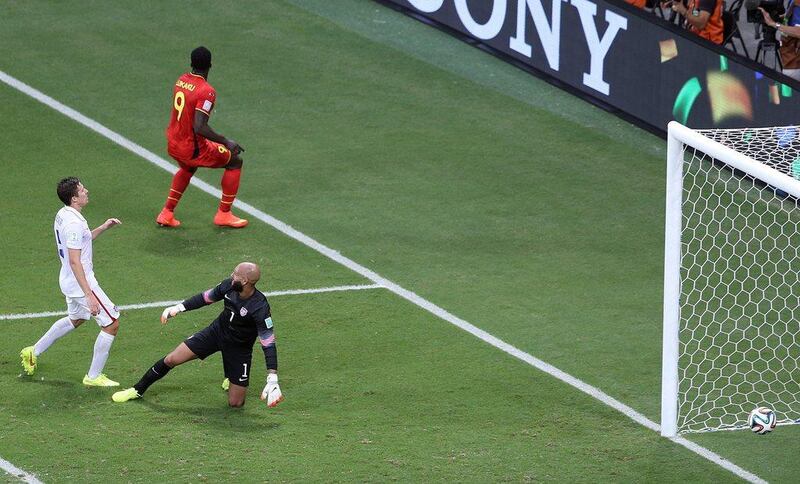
<point>242,320</point>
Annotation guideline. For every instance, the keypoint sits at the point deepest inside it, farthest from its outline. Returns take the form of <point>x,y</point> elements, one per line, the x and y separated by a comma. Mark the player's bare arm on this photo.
<point>792,31</point>
<point>202,128</point>
<point>77,270</point>
<point>698,19</point>
<point>105,226</point>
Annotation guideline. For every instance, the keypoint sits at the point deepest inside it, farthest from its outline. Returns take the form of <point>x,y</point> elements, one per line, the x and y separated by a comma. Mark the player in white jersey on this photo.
<point>85,298</point>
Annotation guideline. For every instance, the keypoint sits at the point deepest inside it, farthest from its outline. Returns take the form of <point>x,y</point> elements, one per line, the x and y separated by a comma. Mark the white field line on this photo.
<point>376,278</point>
<point>18,473</point>
<point>161,304</point>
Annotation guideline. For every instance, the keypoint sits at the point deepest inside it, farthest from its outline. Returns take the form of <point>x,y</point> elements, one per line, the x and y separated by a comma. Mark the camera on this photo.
<point>774,8</point>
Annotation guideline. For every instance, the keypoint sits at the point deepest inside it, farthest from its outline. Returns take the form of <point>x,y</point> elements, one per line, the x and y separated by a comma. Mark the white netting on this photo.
<point>739,340</point>
<point>778,148</point>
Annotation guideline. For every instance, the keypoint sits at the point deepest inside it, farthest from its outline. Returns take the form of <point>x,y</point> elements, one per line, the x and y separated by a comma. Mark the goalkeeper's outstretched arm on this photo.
<point>200,300</point>
<point>195,302</point>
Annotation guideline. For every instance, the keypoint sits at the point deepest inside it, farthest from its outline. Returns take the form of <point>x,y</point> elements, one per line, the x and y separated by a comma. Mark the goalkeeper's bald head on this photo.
<point>248,271</point>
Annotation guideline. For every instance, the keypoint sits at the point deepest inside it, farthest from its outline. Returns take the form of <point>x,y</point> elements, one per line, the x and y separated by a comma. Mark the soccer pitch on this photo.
<point>507,203</point>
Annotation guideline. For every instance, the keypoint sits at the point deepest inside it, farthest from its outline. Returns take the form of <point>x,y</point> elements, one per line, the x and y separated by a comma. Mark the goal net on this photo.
<point>731,278</point>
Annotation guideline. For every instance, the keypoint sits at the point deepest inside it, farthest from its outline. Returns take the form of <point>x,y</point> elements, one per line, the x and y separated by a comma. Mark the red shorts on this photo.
<point>209,155</point>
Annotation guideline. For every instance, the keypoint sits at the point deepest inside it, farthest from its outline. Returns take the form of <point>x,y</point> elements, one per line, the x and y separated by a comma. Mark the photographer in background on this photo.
<point>703,17</point>
<point>790,42</point>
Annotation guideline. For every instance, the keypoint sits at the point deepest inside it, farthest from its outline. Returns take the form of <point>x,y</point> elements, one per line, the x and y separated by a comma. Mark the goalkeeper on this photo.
<point>246,315</point>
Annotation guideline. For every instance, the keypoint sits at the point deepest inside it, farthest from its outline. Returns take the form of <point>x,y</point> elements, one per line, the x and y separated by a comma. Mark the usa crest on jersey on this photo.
<point>243,312</point>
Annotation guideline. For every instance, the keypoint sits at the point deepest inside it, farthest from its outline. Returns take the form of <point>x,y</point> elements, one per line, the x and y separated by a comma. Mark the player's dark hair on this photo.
<point>201,59</point>
<point>68,188</point>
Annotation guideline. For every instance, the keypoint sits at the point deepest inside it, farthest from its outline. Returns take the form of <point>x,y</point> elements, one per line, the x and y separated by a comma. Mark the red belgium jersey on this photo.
<point>191,93</point>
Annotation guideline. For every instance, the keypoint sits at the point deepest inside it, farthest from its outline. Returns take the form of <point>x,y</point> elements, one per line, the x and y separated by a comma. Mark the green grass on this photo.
<point>539,224</point>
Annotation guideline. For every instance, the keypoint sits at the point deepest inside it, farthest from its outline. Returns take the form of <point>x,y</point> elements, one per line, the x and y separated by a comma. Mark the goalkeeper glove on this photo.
<point>272,392</point>
<point>171,312</point>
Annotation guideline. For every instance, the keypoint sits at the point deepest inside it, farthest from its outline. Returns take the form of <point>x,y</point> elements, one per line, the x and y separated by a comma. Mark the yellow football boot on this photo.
<point>100,381</point>
<point>28,360</point>
<point>125,395</point>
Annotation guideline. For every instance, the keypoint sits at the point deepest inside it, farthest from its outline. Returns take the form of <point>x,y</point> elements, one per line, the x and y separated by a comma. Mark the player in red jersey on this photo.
<point>192,143</point>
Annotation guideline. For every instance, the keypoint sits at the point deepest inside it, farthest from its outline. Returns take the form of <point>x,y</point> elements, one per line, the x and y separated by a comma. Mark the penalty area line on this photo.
<point>158,304</point>
<point>410,296</point>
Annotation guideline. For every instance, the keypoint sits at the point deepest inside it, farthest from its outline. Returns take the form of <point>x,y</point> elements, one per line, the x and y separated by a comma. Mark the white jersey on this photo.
<point>72,232</point>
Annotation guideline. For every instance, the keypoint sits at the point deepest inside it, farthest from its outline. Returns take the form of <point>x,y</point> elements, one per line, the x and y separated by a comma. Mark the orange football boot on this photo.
<point>228,219</point>
<point>167,219</point>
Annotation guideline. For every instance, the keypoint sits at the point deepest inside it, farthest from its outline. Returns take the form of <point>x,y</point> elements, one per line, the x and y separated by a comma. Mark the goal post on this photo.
<point>672,255</point>
<point>731,315</point>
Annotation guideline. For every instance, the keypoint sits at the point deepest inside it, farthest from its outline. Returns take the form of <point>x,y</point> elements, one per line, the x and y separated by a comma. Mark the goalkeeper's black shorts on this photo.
<point>236,357</point>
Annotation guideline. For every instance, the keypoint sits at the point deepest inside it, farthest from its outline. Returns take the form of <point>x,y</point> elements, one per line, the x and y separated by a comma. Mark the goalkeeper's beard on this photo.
<point>237,286</point>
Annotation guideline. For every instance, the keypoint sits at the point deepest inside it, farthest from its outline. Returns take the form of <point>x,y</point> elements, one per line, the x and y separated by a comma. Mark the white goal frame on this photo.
<point>678,137</point>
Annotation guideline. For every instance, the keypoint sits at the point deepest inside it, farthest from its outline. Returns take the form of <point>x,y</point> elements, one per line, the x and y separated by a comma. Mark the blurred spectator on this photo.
<point>790,42</point>
<point>703,17</point>
<point>637,3</point>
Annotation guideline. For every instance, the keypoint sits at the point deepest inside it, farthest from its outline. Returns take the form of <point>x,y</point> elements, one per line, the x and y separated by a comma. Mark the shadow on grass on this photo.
<point>60,384</point>
<point>46,394</point>
<point>221,417</point>
<point>173,243</point>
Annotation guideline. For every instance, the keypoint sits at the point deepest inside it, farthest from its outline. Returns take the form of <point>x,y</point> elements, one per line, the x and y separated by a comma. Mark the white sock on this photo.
<point>57,330</point>
<point>102,346</point>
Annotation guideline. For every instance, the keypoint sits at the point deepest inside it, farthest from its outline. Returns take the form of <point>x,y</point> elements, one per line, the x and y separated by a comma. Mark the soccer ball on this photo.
<point>762,420</point>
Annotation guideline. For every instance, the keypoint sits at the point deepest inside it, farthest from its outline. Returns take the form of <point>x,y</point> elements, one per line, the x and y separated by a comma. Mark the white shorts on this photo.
<point>78,308</point>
